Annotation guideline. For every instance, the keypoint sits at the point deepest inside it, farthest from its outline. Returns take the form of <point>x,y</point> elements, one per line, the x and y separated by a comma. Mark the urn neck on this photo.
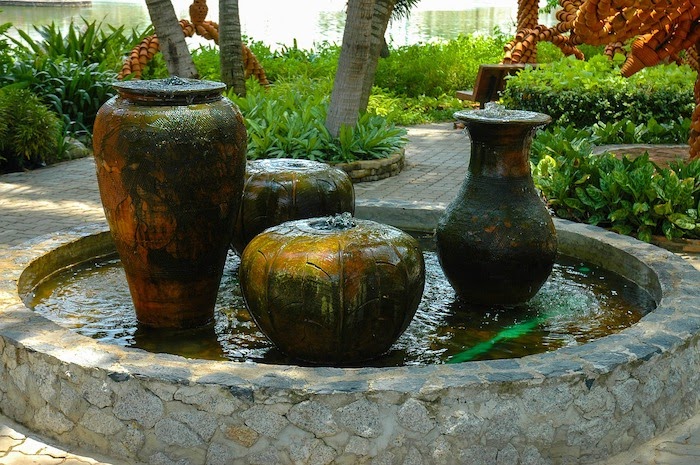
<point>501,139</point>
<point>500,150</point>
<point>173,91</point>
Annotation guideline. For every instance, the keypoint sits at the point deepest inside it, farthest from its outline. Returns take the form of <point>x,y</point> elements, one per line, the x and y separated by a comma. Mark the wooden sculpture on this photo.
<point>149,46</point>
<point>659,32</point>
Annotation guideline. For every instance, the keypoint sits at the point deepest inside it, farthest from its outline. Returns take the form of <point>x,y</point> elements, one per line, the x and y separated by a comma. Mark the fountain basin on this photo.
<point>574,405</point>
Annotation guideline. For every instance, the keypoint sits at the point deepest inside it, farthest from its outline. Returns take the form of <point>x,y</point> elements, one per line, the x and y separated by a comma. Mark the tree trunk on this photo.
<point>349,81</point>
<point>231,46</point>
<point>380,21</point>
<point>171,38</point>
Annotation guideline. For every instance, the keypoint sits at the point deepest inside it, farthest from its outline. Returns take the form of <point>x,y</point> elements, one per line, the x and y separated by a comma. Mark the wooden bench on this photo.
<point>490,81</point>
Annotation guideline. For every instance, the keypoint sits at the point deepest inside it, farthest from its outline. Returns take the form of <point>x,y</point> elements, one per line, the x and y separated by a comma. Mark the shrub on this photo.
<point>206,60</point>
<point>157,69</point>
<point>562,140</point>
<point>406,111</point>
<point>288,120</point>
<point>435,69</point>
<point>70,72</point>
<point>30,134</point>
<point>633,197</point>
<point>89,43</point>
<point>6,54</point>
<point>75,91</point>
<point>651,132</point>
<point>292,62</point>
<point>584,93</point>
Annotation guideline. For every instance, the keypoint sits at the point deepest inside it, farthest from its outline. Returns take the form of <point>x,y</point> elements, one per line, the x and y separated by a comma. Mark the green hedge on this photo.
<point>434,69</point>
<point>583,93</point>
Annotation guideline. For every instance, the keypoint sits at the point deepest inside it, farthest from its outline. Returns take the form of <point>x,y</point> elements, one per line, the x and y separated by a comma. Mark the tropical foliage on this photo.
<point>584,93</point>
<point>288,121</point>
<point>630,196</point>
<point>30,134</point>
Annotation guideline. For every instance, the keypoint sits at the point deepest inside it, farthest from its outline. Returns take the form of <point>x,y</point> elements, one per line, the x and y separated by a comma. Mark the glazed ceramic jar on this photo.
<point>496,241</point>
<point>332,290</point>
<point>170,161</point>
<point>284,189</point>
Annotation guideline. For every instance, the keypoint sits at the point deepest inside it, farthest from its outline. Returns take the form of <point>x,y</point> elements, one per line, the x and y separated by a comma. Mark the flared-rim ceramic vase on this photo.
<point>496,241</point>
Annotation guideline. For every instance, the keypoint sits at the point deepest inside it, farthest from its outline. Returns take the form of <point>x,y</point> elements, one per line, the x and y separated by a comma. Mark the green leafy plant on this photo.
<point>30,134</point>
<point>74,91</point>
<point>651,132</point>
<point>435,69</point>
<point>86,43</point>
<point>372,137</point>
<point>584,93</point>
<point>291,62</point>
<point>629,196</point>
<point>206,60</point>
<point>6,53</point>
<point>288,120</point>
<point>406,111</point>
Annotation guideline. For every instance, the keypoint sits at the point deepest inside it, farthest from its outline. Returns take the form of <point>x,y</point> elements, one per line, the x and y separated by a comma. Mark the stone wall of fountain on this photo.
<point>574,405</point>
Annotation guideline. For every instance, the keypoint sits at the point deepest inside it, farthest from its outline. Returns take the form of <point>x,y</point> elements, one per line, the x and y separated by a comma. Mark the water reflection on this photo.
<point>279,23</point>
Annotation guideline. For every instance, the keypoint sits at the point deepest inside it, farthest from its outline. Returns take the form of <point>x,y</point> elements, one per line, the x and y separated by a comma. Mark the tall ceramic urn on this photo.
<point>496,241</point>
<point>170,161</point>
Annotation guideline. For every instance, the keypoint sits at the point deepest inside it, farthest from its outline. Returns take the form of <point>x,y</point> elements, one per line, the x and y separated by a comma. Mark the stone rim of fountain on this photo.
<point>599,384</point>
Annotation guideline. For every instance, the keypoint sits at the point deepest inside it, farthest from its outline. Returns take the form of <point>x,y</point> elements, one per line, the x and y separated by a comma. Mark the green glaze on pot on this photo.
<point>332,293</point>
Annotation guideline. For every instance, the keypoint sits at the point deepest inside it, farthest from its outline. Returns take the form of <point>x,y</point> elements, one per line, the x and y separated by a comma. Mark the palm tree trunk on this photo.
<point>380,21</point>
<point>349,81</point>
<point>172,40</point>
<point>231,46</point>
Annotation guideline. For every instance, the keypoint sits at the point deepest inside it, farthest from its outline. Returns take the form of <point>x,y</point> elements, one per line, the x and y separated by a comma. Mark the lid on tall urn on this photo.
<point>173,90</point>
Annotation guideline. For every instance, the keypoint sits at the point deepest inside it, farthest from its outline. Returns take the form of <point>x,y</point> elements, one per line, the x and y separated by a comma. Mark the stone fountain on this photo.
<point>574,405</point>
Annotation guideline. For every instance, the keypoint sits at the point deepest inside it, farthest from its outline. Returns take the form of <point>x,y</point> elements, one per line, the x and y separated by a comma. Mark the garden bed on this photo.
<point>661,154</point>
<point>374,170</point>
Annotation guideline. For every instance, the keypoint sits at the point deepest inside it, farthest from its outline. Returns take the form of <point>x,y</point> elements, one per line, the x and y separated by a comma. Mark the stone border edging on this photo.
<point>599,149</point>
<point>374,170</point>
<point>574,405</point>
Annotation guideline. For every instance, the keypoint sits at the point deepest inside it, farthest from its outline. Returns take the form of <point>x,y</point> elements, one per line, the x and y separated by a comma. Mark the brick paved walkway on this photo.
<point>65,195</point>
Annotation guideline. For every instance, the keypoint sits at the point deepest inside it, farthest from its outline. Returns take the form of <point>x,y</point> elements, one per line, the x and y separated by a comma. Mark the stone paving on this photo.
<point>65,195</point>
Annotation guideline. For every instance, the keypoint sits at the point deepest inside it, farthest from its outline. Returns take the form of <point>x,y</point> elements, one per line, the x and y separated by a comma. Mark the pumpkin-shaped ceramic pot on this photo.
<point>332,292</point>
<point>284,189</point>
<point>170,161</point>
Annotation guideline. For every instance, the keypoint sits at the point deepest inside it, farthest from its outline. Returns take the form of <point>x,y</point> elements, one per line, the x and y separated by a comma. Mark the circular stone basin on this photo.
<point>577,404</point>
<point>579,303</point>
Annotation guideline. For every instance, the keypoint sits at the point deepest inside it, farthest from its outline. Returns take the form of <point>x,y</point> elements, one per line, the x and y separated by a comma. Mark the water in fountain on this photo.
<point>495,112</point>
<point>578,303</point>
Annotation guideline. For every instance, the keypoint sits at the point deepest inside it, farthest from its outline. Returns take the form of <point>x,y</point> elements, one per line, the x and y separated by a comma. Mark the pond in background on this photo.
<point>279,23</point>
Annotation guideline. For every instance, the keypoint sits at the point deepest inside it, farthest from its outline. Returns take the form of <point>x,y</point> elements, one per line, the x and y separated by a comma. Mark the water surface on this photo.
<point>578,303</point>
<point>279,23</point>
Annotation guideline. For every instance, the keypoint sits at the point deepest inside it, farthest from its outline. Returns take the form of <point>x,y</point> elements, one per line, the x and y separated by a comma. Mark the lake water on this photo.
<point>281,22</point>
